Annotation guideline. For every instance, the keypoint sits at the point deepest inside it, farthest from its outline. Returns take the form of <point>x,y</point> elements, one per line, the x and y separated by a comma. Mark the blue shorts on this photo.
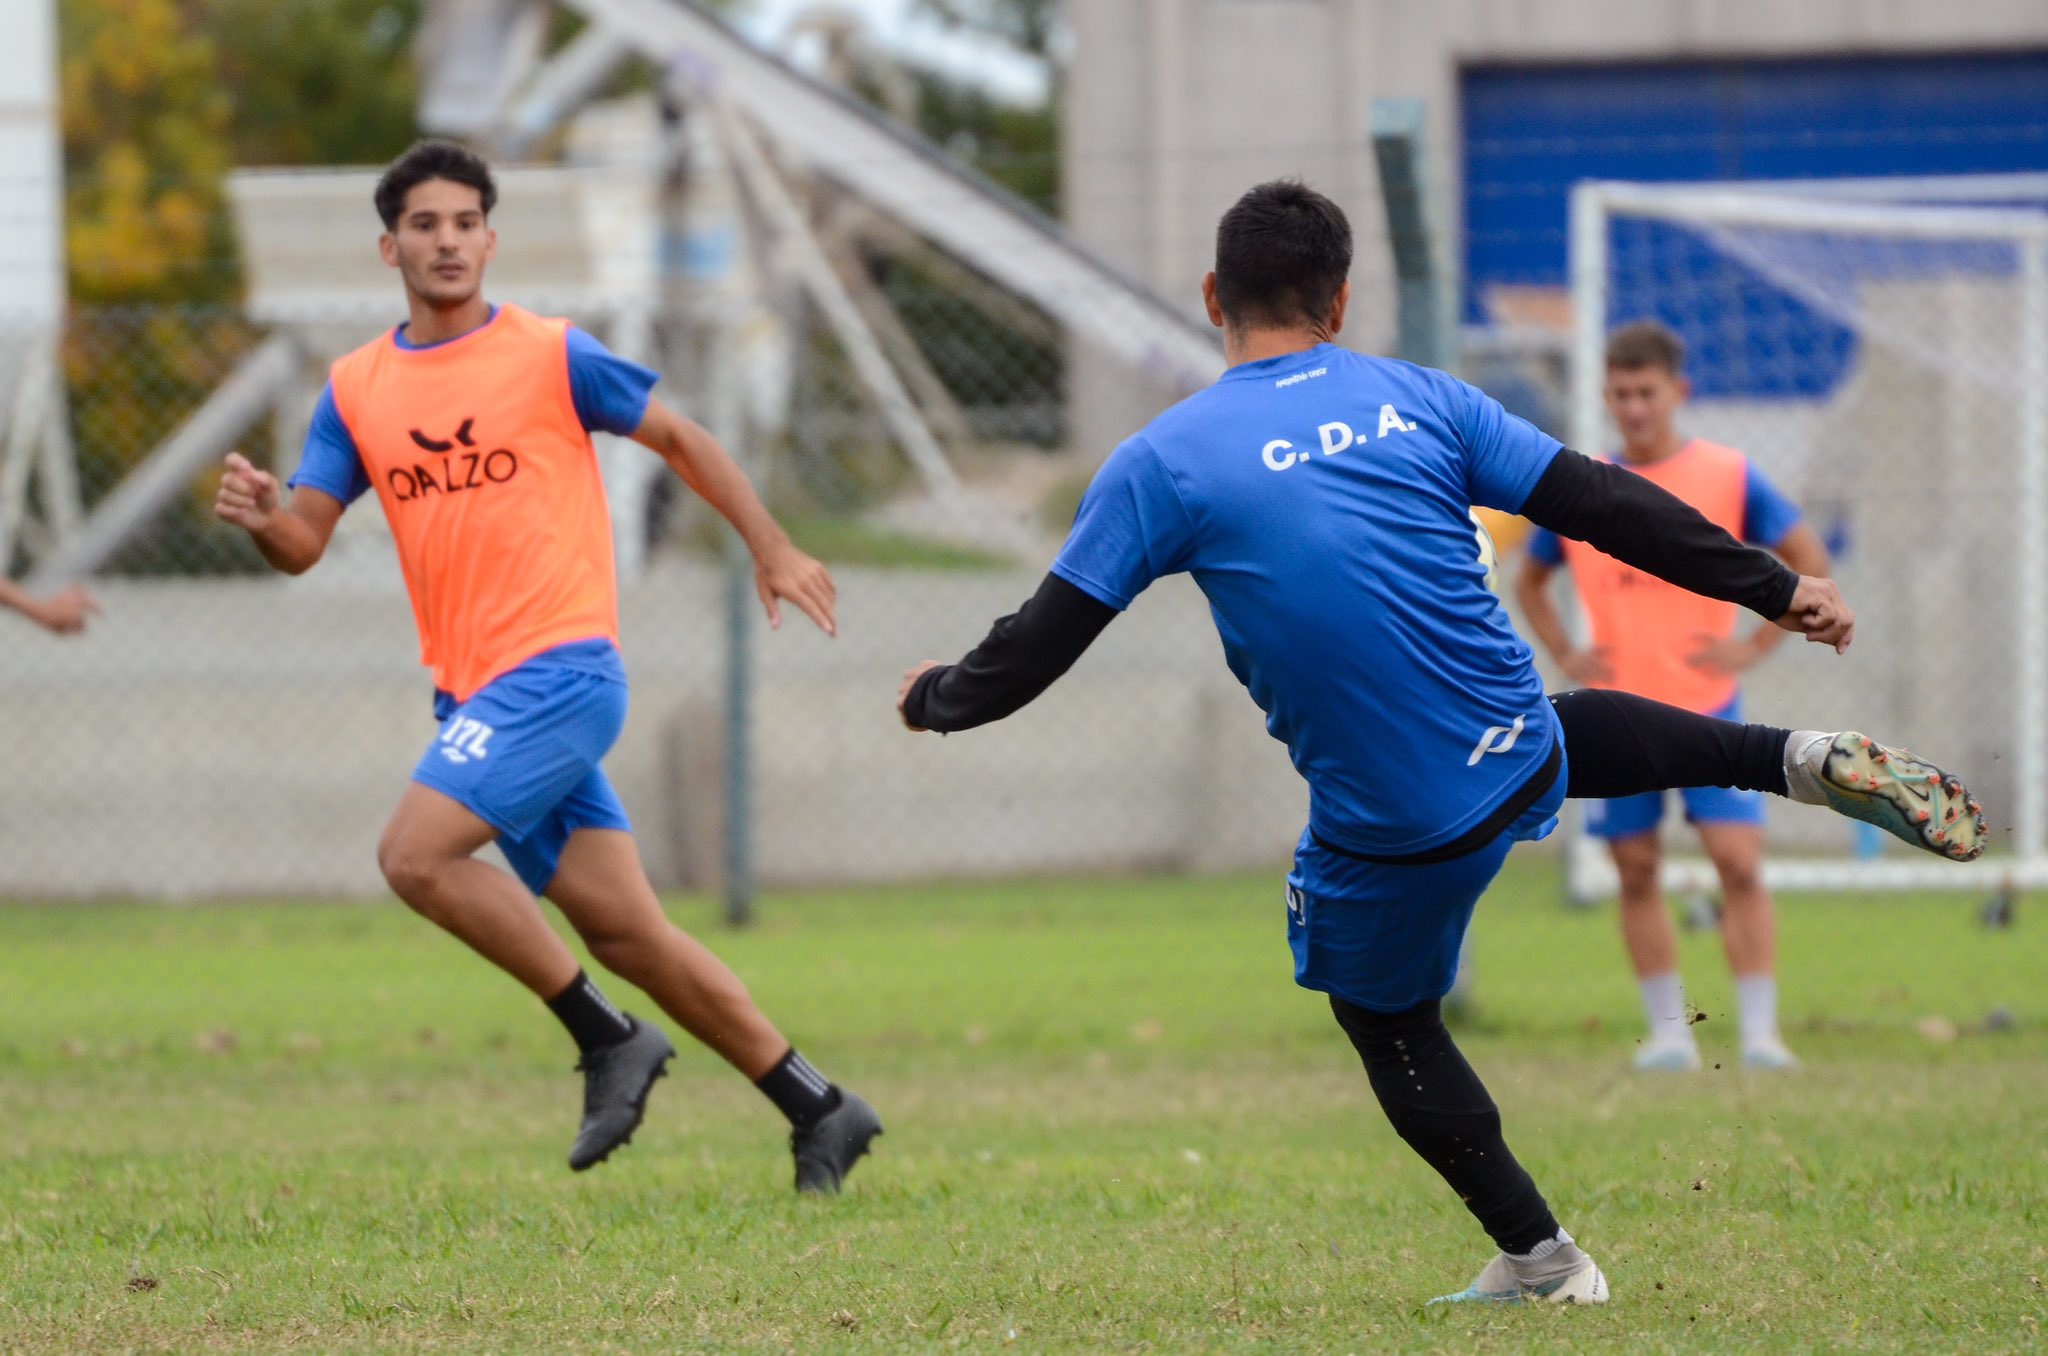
<point>1628,816</point>
<point>1385,936</point>
<point>522,755</point>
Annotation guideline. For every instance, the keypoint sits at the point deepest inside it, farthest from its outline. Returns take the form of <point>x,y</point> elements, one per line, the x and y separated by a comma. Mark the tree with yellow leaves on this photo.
<point>146,145</point>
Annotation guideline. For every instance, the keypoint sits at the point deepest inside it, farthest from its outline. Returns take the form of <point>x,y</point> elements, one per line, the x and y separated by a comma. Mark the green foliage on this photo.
<point>146,143</point>
<point>1015,145</point>
<point>1028,24</point>
<point>318,82</point>
<point>160,99</point>
<point>1018,147</point>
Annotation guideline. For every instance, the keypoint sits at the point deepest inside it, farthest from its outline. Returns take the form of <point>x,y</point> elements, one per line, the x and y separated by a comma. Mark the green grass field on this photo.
<point>1114,1124</point>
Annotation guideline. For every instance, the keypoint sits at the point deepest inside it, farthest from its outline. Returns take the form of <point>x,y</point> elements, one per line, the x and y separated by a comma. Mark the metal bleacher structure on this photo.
<point>707,216</point>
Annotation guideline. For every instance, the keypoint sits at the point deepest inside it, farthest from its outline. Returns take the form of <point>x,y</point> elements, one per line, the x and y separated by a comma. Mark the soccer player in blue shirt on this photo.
<point>1319,497</point>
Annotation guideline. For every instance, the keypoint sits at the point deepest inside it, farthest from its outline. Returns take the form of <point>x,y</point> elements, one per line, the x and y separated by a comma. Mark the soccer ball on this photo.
<point>1489,559</point>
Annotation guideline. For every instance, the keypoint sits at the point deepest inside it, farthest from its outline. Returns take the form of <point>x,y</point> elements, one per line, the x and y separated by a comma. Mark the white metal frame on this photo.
<point>1594,205</point>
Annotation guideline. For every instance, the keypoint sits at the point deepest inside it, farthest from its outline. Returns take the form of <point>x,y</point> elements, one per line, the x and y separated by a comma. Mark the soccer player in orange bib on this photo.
<point>471,422</point>
<point>1656,640</point>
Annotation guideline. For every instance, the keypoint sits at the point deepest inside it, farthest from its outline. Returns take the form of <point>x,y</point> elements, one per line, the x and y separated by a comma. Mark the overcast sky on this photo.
<point>992,64</point>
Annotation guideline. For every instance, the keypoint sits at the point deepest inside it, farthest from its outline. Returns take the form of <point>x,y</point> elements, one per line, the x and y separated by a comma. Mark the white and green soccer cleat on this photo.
<point>1498,1284</point>
<point>1901,793</point>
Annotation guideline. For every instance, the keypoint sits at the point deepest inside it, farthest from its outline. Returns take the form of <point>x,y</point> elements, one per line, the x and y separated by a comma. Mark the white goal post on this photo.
<point>1886,364</point>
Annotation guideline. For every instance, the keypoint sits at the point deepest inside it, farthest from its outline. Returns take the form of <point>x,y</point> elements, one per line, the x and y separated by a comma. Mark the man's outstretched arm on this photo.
<point>781,571</point>
<point>1023,654</point>
<point>1642,525</point>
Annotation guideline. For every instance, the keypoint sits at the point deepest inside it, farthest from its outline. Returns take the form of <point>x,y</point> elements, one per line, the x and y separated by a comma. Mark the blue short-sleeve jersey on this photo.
<point>1321,501</point>
<point>330,462</point>
<point>1768,517</point>
<point>610,394</point>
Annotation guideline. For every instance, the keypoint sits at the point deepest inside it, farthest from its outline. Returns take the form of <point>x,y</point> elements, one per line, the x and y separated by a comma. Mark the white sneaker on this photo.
<point>1666,1055</point>
<point>1902,793</point>
<point>1768,1055</point>
<point>1498,1284</point>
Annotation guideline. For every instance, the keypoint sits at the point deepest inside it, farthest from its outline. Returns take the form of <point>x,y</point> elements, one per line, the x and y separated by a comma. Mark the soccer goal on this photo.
<point>1886,364</point>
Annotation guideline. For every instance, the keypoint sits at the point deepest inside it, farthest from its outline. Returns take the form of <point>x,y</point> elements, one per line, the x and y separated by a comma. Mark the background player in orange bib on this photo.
<point>1656,640</point>
<point>471,424</point>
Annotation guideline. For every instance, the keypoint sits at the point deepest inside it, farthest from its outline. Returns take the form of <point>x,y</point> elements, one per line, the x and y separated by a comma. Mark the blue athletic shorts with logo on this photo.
<point>523,754</point>
<point>1386,936</point>
<point>1628,816</point>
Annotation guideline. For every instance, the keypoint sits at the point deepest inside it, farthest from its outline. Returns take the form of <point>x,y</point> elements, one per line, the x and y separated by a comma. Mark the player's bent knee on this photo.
<point>1638,868</point>
<point>1742,881</point>
<point>411,874</point>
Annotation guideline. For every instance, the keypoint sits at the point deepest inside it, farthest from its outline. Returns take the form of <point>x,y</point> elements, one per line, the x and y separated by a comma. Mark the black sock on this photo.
<point>589,1015</point>
<point>799,1091</point>
<point>1619,744</point>
<point>1439,1106</point>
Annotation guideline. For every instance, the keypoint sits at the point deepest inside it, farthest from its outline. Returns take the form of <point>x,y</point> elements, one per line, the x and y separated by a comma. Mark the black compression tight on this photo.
<point>1622,745</point>
<point>1616,745</point>
<point>1439,1106</point>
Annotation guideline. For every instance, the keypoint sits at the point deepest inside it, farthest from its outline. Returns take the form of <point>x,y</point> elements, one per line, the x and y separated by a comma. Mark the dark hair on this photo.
<point>1283,251</point>
<point>432,160</point>
<point>1646,343</point>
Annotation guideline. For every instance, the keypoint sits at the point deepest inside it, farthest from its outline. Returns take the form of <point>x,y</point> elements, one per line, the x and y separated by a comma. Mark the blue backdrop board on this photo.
<point>1530,133</point>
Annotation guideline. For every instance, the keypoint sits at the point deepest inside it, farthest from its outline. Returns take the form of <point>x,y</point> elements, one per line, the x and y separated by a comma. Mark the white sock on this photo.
<point>1547,1261</point>
<point>1758,995</point>
<point>1664,1006</point>
<point>1805,751</point>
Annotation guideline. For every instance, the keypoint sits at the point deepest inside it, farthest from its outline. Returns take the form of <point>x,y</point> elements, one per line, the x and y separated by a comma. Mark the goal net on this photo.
<point>1886,365</point>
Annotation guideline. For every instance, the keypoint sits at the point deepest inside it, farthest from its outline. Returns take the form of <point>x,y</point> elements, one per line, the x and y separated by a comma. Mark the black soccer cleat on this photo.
<point>616,1081</point>
<point>827,1151</point>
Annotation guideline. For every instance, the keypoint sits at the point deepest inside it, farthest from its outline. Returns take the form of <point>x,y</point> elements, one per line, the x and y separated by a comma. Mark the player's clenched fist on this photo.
<point>903,691</point>
<point>1819,614</point>
<point>248,494</point>
<point>64,612</point>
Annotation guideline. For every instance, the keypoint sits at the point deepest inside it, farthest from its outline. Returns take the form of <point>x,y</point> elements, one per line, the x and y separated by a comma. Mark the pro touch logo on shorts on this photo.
<point>1297,904</point>
<point>1497,739</point>
<point>463,739</point>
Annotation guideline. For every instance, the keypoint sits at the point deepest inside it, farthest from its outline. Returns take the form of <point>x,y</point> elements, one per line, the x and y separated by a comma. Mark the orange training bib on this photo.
<point>1646,628</point>
<point>492,490</point>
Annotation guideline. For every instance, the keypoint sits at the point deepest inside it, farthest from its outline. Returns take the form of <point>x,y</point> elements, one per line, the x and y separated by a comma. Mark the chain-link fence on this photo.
<point>226,733</point>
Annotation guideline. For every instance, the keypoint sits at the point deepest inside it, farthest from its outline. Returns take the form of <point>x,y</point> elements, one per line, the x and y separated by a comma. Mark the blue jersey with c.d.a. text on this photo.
<point>1321,501</point>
